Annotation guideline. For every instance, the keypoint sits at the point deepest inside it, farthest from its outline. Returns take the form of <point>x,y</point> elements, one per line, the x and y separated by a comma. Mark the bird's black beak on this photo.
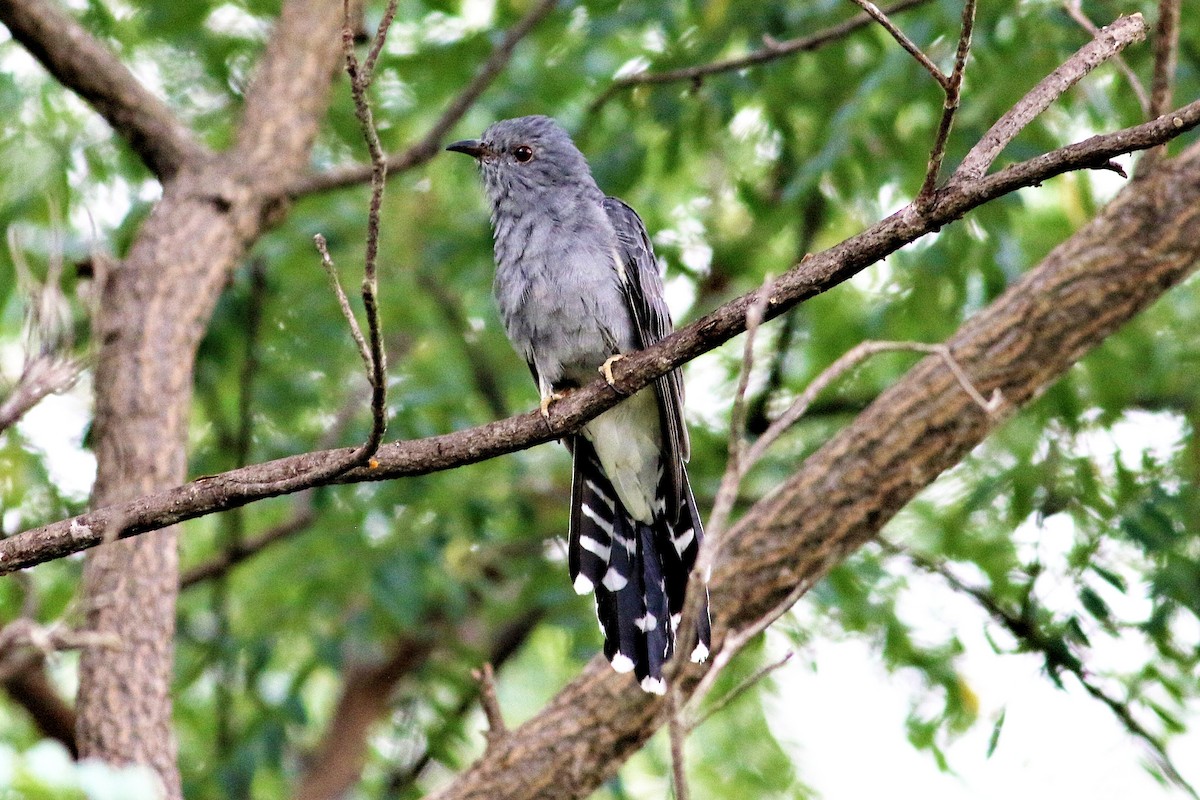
<point>472,147</point>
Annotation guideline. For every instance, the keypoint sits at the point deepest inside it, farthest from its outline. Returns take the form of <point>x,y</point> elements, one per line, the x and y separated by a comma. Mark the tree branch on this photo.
<point>430,144</point>
<point>1140,245</point>
<point>901,39</point>
<point>1052,651</point>
<point>1075,11</point>
<point>772,51</point>
<point>953,88</point>
<point>32,690</point>
<point>422,456</point>
<point>1110,41</point>
<point>82,64</point>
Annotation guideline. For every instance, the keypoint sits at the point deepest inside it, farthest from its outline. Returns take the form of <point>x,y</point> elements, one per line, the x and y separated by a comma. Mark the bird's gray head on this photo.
<point>530,159</point>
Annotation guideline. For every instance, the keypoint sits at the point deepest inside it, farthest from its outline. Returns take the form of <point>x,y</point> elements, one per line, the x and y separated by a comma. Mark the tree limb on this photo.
<point>1141,245</point>
<point>1110,41</point>
<point>429,145</point>
<point>814,275</point>
<point>81,63</point>
<point>771,51</point>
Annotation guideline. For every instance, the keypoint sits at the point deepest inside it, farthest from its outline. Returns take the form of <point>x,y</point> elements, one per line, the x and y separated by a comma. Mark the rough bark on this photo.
<point>154,309</point>
<point>812,276</point>
<point>1142,244</point>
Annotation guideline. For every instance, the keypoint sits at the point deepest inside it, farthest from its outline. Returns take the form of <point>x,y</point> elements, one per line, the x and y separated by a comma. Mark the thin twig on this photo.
<point>371,350</point>
<point>950,107</point>
<point>772,51</point>
<point>897,34</point>
<point>490,704</point>
<point>1166,53</point>
<point>745,461</point>
<point>727,492</point>
<point>1108,42</point>
<point>733,694</point>
<point>696,592</point>
<point>1022,628</point>
<point>343,301</point>
<point>849,361</point>
<point>429,145</point>
<point>46,333</point>
<point>677,731</point>
<point>389,15</point>
<point>1075,11</point>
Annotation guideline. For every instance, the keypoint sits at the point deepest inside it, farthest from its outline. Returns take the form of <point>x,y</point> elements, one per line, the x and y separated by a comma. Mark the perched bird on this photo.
<point>577,285</point>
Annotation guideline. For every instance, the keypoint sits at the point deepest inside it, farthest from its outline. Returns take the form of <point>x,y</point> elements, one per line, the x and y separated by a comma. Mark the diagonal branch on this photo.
<point>814,275</point>
<point>909,46</point>
<point>1108,272</point>
<point>430,144</point>
<point>81,63</point>
<point>770,52</point>
<point>953,87</point>
<point>1075,11</point>
<point>1110,41</point>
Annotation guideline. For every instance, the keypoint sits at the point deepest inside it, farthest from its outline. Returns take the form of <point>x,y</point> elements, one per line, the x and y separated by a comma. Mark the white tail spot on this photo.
<point>622,663</point>
<point>654,685</point>
<point>614,581</point>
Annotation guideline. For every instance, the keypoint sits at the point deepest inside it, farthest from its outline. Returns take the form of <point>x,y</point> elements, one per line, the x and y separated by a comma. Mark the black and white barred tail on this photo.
<point>639,572</point>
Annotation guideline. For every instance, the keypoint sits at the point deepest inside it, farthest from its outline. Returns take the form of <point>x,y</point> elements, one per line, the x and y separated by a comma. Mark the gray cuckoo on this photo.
<point>577,285</point>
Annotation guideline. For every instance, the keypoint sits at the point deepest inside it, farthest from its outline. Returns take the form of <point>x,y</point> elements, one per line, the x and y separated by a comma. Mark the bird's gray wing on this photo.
<point>643,288</point>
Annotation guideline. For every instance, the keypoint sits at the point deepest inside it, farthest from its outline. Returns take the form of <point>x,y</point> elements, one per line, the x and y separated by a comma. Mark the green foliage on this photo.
<point>1091,488</point>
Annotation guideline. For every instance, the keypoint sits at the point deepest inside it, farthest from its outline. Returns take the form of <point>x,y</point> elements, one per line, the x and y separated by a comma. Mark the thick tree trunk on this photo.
<point>155,306</point>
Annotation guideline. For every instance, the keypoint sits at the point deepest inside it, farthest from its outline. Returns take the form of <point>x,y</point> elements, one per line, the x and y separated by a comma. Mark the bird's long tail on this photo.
<point>639,572</point>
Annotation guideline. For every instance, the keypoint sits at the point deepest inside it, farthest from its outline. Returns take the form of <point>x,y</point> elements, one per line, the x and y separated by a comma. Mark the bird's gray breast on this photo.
<point>559,293</point>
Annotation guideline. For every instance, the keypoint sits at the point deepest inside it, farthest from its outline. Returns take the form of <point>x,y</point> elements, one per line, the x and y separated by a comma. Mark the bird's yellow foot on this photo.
<point>606,370</point>
<point>546,401</point>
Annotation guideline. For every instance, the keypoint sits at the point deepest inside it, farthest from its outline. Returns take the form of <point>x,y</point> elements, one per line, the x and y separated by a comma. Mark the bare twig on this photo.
<point>733,694</point>
<point>428,145</point>
<point>1074,10</point>
<point>1110,41</point>
<point>905,42</point>
<point>770,52</point>
<point>486,678</point>
<point>370,348</point>
<point>677,730</point>
<point>389,14</point>
<point>741,462</point>
<point>953,89</point>
<point>1166,53</point>
<point>302,519</point>
<point>46,334</point>
<point>45,640</point>
<point>1033,638</point>
<point>364,350</point>
<point>844,364</point>
<point>727,491</point>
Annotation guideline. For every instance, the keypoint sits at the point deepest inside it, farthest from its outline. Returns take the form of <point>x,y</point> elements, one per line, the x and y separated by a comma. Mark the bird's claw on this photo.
<point>606,371</point>
<point>545,404</point>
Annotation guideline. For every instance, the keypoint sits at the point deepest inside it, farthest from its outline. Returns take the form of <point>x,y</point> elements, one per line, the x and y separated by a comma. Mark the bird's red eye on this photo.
<point>523,153</point>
